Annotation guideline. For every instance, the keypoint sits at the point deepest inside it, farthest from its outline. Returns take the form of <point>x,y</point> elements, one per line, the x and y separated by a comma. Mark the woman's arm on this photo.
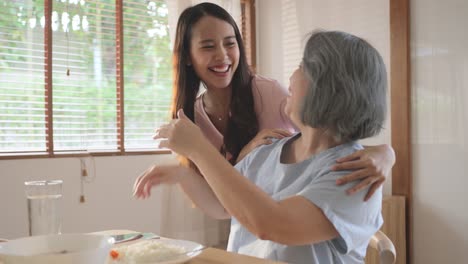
<point>371,165</point>
<point>203,196</point>
<point>292,221</point>
<point>193,184</point>
<point>263,137</point>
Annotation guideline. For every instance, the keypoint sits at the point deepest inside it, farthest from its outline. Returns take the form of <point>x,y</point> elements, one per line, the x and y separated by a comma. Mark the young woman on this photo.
<point>282,198</point>
<point>240,111</point>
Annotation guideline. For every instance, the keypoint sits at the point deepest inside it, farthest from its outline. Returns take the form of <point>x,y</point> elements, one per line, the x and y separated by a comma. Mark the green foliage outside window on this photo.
<point>84,44</point>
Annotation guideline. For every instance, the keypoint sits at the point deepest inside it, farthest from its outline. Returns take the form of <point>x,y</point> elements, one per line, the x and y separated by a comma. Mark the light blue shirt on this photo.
<point>355,220</point>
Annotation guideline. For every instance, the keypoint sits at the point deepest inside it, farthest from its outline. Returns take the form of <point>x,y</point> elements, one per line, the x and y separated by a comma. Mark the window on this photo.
<point>22,101</point>
<point>67,90</point>
<point>87,76</point>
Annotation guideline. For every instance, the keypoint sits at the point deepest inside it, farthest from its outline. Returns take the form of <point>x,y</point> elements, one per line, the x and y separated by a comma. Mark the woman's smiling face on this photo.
<point>214,52</point>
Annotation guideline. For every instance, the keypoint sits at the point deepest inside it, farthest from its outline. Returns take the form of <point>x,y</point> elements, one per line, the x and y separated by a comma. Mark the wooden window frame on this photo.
<point>48,88</point>
<point>248,30</point>
<point>400,75</point>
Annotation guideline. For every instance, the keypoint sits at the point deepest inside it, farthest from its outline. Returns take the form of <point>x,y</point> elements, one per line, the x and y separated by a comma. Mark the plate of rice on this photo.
<point>152,251</point>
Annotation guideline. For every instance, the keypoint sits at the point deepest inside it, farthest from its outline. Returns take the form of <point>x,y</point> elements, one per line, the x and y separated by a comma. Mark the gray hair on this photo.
<point>348,86</point>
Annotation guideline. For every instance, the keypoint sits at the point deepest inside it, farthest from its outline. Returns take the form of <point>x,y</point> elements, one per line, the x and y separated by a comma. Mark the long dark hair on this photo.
<point>243,124</point>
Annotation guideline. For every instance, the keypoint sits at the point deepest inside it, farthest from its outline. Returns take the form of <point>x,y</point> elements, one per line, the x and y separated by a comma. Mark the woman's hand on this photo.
<point>262,138</point>
<point>181,135</point>
<point>372,165</point>
<point>156,175</point>
<point>193,185</point>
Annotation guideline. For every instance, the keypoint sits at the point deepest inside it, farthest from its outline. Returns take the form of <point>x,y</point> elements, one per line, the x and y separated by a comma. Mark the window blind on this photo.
<point>292,51</point>
<point>85,75</point>
<point>98,80</point>
<point>147,71</point>
<point>22,102</point>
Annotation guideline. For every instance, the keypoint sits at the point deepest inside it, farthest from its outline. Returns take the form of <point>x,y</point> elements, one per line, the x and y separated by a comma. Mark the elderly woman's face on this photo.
<point>298,85</point>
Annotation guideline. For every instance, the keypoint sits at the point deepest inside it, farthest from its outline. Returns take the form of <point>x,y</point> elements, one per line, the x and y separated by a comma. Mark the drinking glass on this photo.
<point>44,206</point>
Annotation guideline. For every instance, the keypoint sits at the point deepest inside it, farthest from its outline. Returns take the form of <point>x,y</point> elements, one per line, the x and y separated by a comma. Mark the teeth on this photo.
<point>220,69</point>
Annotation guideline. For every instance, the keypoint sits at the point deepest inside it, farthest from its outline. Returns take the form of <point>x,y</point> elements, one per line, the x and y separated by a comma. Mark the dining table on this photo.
<point>210,255</point>
<point>218,256</point>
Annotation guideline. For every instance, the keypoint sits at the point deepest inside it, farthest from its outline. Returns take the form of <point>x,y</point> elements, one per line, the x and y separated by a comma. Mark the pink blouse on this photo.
<point>269,99</point>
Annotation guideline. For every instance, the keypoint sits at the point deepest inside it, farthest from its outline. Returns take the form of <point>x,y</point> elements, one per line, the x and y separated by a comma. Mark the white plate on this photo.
<point>191,249</point>
<point>57,249</point>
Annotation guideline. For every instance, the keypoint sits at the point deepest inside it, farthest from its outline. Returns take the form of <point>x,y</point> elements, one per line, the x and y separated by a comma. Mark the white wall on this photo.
<point>109,201</point>
<point>439,58</point>
<point>440,118</point>
<point>283,26</point>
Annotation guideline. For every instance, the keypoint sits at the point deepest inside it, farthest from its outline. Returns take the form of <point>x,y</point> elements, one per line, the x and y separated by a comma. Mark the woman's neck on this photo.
<point>217,99</point>
<point>311,142</point>
<point>216,103</point>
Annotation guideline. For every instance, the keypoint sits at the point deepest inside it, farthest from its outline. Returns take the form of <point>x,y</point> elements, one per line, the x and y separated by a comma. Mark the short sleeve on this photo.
<point>244,163</point>
<point>355,220</point>
<point>241,165</point>
<point>253,160</point>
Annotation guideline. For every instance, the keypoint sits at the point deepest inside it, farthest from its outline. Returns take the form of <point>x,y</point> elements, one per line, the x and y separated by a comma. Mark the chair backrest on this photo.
<point>384,246</point>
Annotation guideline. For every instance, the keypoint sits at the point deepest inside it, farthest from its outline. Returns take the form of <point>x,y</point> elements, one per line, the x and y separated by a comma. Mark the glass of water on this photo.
<point>44,207</point>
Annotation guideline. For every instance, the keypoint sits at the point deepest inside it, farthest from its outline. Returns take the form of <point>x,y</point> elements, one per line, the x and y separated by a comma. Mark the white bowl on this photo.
<point>55,249</point>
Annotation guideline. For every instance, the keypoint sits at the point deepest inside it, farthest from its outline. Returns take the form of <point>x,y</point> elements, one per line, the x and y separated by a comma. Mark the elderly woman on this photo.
<point>282,198</point>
